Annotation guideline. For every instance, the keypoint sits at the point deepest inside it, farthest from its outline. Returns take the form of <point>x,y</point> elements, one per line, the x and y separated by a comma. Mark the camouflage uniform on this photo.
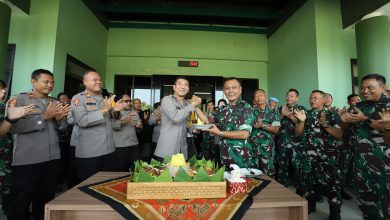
<point>321,152</point>
<point>289,148</point>
<point>236,117</point>
<point>208,149</point>
<point>262,141</point>
<point>347,150</point>
<point>5,160</point>
<point>372,164</point>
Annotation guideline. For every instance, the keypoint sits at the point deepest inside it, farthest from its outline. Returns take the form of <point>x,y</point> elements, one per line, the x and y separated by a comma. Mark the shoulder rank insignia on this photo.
<point>31,95</point>
<point>76,101</point>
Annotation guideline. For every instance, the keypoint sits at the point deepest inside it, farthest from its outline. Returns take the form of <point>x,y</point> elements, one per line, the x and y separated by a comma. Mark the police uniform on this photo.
<point>237,117</point>
<point>35,160</point>
<point>127,149</point>
<point>372,164</point>
<point>173,132</point>
<point>263,141</point>
<point>156,132</point>
<point>289,148</point>
<point>94,140</point>
<point>321,164</point>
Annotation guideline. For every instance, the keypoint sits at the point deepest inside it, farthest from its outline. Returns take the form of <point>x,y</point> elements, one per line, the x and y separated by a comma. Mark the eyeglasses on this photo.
<point>127,101</point>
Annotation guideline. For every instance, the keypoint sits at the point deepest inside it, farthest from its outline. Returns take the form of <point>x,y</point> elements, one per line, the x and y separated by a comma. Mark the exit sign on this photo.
<point>188,63</point>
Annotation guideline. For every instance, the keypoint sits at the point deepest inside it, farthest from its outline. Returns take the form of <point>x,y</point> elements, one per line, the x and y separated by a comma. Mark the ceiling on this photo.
<point>244,16</point>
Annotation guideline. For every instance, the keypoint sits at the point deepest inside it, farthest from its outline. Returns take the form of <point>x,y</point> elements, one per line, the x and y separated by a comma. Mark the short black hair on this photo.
<point>88,71</point>
<point>3,84</point>
<point>37,73</point>
<point>293,90</point>
<point>260,90</point>
<point>180,77</point>
<point>231,78</point>
<point>375,76</point>
<point>222,100</point>
<point>60,94</point>
<point>210,101</point>
<point>351,96</point>
<point>319,91</point>
<point>156,105</point>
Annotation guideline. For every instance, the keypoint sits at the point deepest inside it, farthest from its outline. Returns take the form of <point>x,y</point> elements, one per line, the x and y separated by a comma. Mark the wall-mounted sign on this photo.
<point>188,63</point>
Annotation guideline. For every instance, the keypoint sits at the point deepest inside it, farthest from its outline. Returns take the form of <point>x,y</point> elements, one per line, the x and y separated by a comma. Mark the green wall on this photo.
<point>373,46</point>
<point>293,55</point>
<point>312,51</point>
<point>81,35</point>
<point>53,29</point>
<point>147,52</point>
<point>34,36</point>
<point>335,48</point>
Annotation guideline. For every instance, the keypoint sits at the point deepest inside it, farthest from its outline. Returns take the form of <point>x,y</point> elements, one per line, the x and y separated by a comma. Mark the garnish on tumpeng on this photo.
<point>200,171</point>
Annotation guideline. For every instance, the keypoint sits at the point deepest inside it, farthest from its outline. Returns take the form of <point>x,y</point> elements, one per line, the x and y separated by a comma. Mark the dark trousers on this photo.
<point>126,156</point>
<point>67,165</point>
<point>72,176</point>
<point>31,184</point>
<point>86,167</point>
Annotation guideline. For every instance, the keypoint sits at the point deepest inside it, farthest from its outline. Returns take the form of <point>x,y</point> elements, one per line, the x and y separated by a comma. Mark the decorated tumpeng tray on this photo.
<point>175,179</point>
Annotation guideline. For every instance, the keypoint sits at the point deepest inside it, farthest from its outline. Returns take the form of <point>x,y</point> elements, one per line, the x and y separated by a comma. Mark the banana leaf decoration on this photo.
<point>140,175</point>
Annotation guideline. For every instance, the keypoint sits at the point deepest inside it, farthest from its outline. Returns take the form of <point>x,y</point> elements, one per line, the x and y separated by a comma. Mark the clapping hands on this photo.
<point>300,114</point>
<point>384,122</point>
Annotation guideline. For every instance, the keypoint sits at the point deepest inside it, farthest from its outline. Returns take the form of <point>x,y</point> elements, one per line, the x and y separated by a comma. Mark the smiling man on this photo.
<point>175,112</point>
<point>36,150</point>
<point>235,122</point>
<point>372,156</point>
<point>94,140</point>
<point>319,130</point>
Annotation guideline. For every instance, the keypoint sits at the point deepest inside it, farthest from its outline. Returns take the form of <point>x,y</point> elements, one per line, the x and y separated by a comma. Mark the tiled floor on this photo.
<point>349,209</point>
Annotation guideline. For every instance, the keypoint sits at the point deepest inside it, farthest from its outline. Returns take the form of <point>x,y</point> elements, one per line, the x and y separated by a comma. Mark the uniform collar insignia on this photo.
<point>31,95</point>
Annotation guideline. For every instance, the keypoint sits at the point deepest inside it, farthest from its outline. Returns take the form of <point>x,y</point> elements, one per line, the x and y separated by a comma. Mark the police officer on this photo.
<point>235,122</point>
<point>262,137</point>
<point>175,112</point>
<point>127,150</point>
<point>289,148</point>
<point>94,141</point>
<point>372,156</point>
<point>319,128</point>
<point>36,150</point>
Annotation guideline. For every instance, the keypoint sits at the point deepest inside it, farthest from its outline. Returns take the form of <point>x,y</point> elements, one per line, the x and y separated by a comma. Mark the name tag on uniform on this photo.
<point>39,122</point>
<point>91,103</point>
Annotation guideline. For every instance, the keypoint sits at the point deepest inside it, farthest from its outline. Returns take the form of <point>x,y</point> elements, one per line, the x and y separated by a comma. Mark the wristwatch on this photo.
<point>10,121</point>
<point>220,134</point>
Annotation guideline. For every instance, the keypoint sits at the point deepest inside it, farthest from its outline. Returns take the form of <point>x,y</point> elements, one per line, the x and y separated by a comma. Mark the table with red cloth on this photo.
<point>272,202</point>
<point>234,206</point>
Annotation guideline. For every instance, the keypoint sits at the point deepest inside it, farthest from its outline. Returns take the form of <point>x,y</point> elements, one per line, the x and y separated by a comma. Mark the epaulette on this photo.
<point>28,94</point>
<point>55,99</point>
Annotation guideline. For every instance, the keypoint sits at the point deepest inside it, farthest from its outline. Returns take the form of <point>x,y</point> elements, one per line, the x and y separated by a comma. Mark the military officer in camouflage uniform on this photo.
<point>207,144</point>
<point>372,157</point>
<point>94,139</point>
<point>262,137</point>
<point>233,124</point>
<point>347,150</point>
<point>320,131</point>
<point>36,150</point>
<point>289,147</point>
